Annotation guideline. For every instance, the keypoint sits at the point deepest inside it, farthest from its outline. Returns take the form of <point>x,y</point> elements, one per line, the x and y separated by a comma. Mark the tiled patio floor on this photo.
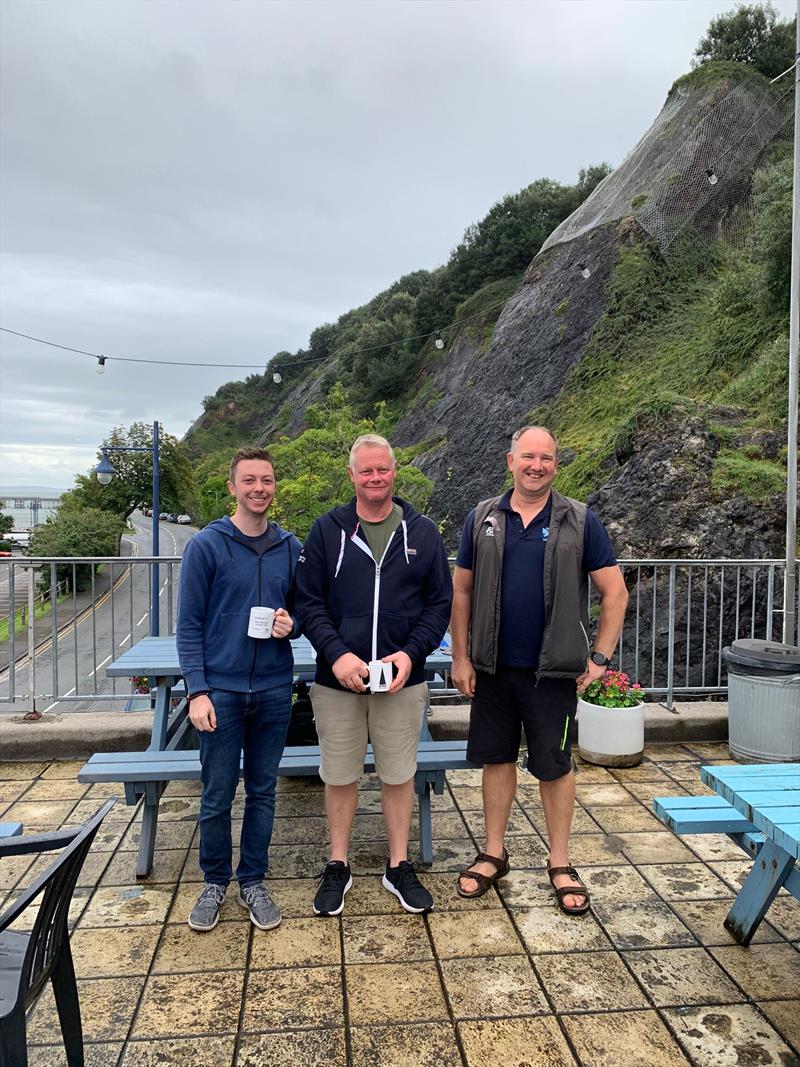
<point>650,978</point>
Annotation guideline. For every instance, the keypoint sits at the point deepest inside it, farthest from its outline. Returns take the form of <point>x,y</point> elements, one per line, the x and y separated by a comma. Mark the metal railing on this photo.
<point>681,615</point>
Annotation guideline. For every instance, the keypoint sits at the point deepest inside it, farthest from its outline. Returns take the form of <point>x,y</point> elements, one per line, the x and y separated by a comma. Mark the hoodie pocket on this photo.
<point>228,648</point>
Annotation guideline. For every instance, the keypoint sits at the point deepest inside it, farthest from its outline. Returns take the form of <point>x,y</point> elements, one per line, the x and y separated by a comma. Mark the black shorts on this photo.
<point>506,702</point>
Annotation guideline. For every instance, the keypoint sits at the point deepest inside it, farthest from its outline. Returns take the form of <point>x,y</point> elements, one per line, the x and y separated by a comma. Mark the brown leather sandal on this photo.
<point>485,881</point>
<point>562,891</point>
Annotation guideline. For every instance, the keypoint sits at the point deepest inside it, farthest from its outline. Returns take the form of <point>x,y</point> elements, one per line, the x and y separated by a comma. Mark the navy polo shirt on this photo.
<point>522,587</point>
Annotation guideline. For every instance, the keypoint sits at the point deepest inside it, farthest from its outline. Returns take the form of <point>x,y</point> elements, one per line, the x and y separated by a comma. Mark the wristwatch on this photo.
<point>599,659</point>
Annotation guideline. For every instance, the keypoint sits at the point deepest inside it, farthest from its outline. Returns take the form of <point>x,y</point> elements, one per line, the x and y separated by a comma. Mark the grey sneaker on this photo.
<point>205,913</point>
<point>264,912</point>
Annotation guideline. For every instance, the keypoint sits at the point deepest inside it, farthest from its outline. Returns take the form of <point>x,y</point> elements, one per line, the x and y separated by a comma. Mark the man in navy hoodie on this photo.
<point>239,687</point>
<point>373,583</point>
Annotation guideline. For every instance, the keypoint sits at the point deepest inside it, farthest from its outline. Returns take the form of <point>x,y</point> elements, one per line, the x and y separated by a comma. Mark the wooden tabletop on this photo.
<point>767,794</point>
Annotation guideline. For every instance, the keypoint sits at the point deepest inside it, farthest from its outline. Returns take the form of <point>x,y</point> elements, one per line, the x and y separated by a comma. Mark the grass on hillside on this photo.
<point>654,354</point>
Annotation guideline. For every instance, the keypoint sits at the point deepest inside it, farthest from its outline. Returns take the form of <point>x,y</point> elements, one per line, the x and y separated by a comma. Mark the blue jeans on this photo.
<point>255,724</point>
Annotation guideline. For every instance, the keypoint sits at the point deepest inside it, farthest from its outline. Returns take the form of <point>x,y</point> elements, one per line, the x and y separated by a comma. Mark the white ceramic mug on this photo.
<point>261,620</point>
<point>380,676</point>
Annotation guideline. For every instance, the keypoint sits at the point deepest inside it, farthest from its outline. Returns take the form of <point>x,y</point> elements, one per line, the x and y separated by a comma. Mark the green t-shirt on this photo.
<point>379,533</point>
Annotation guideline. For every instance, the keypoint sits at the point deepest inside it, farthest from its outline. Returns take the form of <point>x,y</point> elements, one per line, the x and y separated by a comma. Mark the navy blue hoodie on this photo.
<point>221,579</point>
<point>346,601</point>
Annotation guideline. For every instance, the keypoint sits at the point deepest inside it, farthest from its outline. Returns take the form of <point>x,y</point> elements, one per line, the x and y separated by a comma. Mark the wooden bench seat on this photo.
<point>146,774</point>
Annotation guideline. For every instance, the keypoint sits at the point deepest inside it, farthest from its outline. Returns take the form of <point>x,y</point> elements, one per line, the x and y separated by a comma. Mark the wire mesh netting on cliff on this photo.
<point>693,166</point>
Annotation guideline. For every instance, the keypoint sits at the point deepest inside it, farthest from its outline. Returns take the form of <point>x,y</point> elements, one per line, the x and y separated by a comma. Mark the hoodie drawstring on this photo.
<point>405,539</point>
<point>341,556</point>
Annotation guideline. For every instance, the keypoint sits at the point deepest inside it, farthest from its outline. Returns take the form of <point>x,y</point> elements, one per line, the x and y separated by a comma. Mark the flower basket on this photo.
<point>611,722</point>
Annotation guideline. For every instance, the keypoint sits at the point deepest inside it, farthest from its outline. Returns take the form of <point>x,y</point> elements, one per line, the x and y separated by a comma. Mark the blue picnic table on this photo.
<point>170,753</point>
<point>758,807</point>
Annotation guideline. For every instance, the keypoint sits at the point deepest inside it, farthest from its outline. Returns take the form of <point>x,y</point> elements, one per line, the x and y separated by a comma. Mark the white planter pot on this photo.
<point>611,737</point>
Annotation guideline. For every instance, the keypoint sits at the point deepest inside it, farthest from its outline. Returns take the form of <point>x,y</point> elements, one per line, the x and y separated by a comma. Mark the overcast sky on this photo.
<point>211,180</point>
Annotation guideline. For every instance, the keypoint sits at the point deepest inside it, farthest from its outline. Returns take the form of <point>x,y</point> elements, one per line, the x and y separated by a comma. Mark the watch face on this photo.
<point>600,659</point>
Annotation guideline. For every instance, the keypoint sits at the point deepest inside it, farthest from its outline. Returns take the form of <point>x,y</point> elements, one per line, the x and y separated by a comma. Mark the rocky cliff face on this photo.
<point>693,167</point>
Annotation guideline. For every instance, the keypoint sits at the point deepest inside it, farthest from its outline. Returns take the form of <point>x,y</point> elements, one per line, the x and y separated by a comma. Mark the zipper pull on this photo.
<point>377,570</point>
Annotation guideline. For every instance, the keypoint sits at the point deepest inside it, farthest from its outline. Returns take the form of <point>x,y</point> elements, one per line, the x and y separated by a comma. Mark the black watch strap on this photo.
<point>600,659</point>
<point>199,693</point>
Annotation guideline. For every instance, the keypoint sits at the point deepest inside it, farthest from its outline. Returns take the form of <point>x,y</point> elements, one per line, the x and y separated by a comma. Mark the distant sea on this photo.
<point>24,516</point>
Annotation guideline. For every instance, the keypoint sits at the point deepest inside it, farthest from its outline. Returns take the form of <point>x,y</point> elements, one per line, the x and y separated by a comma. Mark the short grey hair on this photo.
<point>524,429</point>
<point>370,440</point>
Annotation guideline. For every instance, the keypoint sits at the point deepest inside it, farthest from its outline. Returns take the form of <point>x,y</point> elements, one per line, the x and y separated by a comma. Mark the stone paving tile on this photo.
<point>93,867</point>
<point>43,814</point>
<point>96,1055</point>
<point>183,950</point>
<point>784,914</point>
<point>620,883</point>
<point>733,872</point>
<point>385,993</point>
<point>549,930</point>
<point>658,847</point>
<point>167,866</point>
<point>728,1036</point>
<point>645,792</point>
<point>107,1007</point>
<point>472,776</point>
<point>645,772</point>
<point>643,924</point>
<point>130,905</point>
<point>11,771</point>
<point>525,850</point>
<point>785,1017</point>
<point>531,1042</point>
<point>713,847</point>
<point>293,1048</point>
<point>180,1052</point>
<point>683,881</point>
<point>299,861</point>
<point>301,804</point>
<point>112,951</point>
<point>632,1038</point>
<point>677,976</point>
<point>85,809</point>
<point>493,986</point>
<point>385,938</point>
<point>667,753</point>
<point>589,772</point>
<point>762,971</point>
<point>13,869</point>
<point>705,918</point>
<point>188,1005</point>
<point>11,791</point>
<point>26,920</point>
<point>55,789</point>
<point>589,981</point>
<point>615,820</point>
<point>421,1045</point>
<point>294,830</point>
<point>591,795</point>
<point>708,750</point>
<point>186,788</point>
<point>447,855</point>
<point>173,834</point>
<point>467,798</point>
<point>486,933</point>
<point>293,998</point>
<point>308,942</point>
<point>595,849</point>
<point>524,888</point>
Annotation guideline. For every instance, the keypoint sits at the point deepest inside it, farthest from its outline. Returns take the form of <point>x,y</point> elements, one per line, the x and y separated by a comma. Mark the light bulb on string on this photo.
<point>439,342</point>
<point>101,365</point>
<point>585,271</point>
<point>277,378</point>
<point>711,176</point>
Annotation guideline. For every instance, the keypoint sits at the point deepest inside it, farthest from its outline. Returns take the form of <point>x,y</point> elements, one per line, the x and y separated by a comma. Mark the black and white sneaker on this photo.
<point>403,882</point>
<point>335,882</point>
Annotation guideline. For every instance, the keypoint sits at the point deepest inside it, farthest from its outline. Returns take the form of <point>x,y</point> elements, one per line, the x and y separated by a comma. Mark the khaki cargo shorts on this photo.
<point>347,721</point>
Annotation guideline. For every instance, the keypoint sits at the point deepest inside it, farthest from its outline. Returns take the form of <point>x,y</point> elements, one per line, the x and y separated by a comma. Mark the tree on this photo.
<point>771,240</point>
<point>76,531</point>
<point>6,523</point>
<point>311,470</point>
<point>132,486</point>
<point>751,34</point>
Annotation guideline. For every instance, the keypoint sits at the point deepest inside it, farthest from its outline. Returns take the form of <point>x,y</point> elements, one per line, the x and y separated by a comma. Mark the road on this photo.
<point>121,616</point>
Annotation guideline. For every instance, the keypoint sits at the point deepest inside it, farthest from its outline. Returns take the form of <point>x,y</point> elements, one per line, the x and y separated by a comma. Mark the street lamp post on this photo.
<point>105,472</point>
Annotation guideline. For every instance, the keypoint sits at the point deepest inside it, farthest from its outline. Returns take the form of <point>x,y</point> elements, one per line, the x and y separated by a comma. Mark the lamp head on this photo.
<point>104,470</point>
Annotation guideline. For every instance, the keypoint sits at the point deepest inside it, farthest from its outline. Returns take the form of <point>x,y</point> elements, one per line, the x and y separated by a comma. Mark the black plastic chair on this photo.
<point>29,958</point>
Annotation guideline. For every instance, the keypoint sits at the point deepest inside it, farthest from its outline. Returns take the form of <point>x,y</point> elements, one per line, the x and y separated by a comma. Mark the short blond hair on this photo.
<point>370,440</point>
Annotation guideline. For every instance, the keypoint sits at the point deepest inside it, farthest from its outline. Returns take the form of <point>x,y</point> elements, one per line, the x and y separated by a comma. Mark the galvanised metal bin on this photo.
<point>763,701</point>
